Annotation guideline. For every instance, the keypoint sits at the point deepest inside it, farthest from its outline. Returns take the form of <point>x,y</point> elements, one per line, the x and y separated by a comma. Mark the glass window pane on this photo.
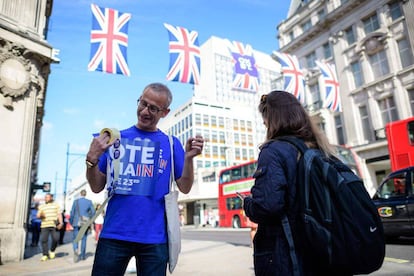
<point>406,55</point>
<point>357,74</point>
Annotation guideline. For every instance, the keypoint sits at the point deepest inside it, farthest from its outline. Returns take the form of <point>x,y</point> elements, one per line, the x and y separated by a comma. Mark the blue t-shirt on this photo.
<point>141,218</point>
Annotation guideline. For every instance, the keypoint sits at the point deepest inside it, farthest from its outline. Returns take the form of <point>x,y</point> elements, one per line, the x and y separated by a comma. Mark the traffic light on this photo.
<point>46,187</point>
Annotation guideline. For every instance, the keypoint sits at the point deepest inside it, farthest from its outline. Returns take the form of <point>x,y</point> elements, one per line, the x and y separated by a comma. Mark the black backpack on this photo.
<point>339,225</point>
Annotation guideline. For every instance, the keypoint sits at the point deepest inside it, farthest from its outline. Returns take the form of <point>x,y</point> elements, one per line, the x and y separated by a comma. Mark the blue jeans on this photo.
<point>82,254</point>
<point>112,258</point>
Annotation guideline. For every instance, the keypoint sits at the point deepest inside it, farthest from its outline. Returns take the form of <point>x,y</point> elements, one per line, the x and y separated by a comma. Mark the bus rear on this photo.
<point>231,180</point>
<point>400,136</point>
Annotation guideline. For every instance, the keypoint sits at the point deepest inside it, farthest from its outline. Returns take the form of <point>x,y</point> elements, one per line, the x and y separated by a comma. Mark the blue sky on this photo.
<point>79,102</point>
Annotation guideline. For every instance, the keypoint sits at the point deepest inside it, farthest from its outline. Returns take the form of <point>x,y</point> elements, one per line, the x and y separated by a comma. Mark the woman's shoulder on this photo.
<point>281,147</point>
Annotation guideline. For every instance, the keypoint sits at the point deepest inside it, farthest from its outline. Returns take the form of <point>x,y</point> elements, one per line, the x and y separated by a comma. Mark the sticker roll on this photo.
<point>113,133</point>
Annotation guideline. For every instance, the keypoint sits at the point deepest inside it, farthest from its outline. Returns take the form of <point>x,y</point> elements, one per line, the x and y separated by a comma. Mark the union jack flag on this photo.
<point>246,75</point>
<point>292,75</point>
<point>109,41</point>
<point>330,80</point>
<point>184,55</point>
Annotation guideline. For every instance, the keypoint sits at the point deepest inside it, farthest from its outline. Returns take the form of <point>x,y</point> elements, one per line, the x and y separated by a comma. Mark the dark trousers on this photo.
<point>62,233</point>
<point>44,237</point>
<point>35,232</point>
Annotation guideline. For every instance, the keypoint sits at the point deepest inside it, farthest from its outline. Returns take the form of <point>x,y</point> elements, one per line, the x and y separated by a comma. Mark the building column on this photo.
<point>22,89</point>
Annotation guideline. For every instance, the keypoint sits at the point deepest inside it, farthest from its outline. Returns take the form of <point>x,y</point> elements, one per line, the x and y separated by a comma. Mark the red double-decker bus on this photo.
<point>231,180</point>
<point>239,178</point>
<point>400,136</point>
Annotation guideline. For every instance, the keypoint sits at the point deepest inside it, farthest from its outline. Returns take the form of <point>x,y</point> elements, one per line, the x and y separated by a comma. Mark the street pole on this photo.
<point>68,153</point>
<point>66,177</point>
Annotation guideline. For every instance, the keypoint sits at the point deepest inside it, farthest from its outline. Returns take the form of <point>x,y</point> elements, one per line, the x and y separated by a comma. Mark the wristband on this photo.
<point>89,164</point>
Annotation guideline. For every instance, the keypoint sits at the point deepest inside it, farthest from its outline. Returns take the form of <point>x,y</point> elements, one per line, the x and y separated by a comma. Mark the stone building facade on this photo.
<point>371,44</point>
<point>25,58</point>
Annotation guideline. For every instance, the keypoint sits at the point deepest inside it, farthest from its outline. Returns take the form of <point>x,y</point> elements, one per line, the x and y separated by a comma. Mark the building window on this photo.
<point>249,126</point>
<point>327,51</point>
<point>315,96</point>
<point>250,140</point>
<point>321,14</point>
<point>310,60</point>
<point>406,54</point>
<point>365,123</point>
<point>350,35</point>
<point>291,36</point>
<point>306,26</point>
<point>214,136</point>
<point>395,10</point>
<point>243,139</point>
<point>357,74</point>
<point>242,125</point>
<point>237,138</point>
<point>379,64</point>
<point>235,124</point>
<point>244,154</point>
<point>411,97</point>
<point>222,138</point>
<point>371,24</point>
<point>388,110</point>
<point>221,122</point>
<point>237,153</point>
<point>206,134</point>
<point>198,119</point>
<point>339,130</point>
<point>215,151</point>
<point>205,120</point>
<point>213,121</point>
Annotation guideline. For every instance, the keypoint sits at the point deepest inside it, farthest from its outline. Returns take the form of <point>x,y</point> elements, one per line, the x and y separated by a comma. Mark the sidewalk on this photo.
<point>206,258</point>
<point>196,258</point>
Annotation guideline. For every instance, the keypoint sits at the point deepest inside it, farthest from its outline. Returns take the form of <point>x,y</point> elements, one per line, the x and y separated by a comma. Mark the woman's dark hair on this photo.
<point>284,115</point>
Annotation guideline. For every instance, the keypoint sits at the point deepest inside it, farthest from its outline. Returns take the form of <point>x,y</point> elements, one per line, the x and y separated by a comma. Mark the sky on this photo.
<point>80,103</point>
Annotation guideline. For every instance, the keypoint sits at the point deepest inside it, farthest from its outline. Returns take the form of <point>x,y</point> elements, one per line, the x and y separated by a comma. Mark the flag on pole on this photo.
<point>246,75</point>
<point>109,41</point>
<point>184,55</point>
<point>332,100</point>
<point>292,75</point>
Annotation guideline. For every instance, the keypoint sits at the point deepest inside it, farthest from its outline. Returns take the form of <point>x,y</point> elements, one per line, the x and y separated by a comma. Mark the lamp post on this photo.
<point>68,153</point>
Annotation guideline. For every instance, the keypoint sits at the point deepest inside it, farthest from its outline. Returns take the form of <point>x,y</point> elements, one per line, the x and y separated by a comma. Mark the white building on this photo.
<point>226,117</point>
<point>371,45</point>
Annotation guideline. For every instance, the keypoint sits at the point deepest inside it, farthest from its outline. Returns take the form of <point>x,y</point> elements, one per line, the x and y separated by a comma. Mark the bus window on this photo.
<point>225,177</point>
<point>410,130</point>
<point>236,174</point>
<point>234,203</point>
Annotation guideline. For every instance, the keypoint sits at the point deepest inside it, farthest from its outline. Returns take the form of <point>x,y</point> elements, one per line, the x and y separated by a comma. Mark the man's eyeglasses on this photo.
<point>263,99</point>
<point>151,108</point>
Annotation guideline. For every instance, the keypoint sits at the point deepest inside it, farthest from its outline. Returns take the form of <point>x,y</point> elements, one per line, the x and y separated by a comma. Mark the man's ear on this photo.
<point>165,112</point>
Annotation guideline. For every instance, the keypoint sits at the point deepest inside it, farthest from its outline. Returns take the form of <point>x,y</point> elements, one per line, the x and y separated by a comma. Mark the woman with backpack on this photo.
<point>274,192</point>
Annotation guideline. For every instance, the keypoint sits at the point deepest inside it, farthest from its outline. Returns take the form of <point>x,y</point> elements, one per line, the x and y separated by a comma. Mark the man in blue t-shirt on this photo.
<point>135,217</point>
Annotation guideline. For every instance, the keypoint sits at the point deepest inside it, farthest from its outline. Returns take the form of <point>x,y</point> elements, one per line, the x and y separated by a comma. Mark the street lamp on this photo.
<point>68,153</point>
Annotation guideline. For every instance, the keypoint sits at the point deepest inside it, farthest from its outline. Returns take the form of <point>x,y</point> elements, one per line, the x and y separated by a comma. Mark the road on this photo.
<point>399,258</point>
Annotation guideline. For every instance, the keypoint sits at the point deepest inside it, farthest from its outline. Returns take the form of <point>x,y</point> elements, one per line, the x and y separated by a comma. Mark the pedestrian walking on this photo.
<point>98,224</point>
<point>62,230</point>
<point>52,220</point>
<point>82,210</point>
<point>35,223</point>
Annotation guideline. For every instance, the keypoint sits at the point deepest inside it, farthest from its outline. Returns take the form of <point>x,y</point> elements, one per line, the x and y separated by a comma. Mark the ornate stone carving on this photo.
<point>15,73</point>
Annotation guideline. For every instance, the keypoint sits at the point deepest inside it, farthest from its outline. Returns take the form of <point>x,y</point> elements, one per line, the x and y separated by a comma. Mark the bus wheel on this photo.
<point>236,222</point>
